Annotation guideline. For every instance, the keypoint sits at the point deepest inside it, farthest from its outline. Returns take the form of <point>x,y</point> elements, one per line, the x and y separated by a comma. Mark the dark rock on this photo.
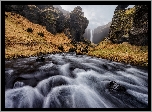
<point>72,50</point>
<point>18,84</point>
<point>43,7</point>
<point>40,59</point>
<point>138,35</point>
<point>100,33</point>
<point>115,87</point>
<point>76,24</point>
<point>48,19</point>
<point>79,53</point>
<point>61,48</point>
<point>73,24</point>
<point>130,25</point>
<point>85,50</point>
<point>14,8</point>
<point>58,7</point>
<point>121,7</point>
<point>32,13</point>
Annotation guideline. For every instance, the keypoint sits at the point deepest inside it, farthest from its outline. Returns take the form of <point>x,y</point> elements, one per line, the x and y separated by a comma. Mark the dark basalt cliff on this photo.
<point>78,23</point>
<point>130,25</point>
<point>73,24</point>
<point>58,7</point>
<point>100,33</point>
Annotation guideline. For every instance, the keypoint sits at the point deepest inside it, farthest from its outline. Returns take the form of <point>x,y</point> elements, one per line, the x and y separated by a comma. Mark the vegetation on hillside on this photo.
<point>135,55</point>
<point>24,39</point>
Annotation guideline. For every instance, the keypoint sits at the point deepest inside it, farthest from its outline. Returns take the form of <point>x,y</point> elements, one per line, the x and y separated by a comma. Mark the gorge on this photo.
<point>53,61</point>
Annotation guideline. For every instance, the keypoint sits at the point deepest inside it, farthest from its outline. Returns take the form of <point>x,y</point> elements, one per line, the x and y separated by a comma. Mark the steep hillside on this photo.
<point>24,38</point>
<point>124,52</point>
<point>128,37</point>
<point>73,24</point>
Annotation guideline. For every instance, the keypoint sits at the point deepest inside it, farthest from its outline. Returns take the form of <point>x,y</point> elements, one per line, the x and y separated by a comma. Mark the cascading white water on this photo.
<point>74,81</point>
<point>91,35</point>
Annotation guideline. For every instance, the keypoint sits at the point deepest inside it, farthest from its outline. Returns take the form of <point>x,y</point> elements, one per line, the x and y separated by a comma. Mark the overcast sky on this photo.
<point>97,15</point>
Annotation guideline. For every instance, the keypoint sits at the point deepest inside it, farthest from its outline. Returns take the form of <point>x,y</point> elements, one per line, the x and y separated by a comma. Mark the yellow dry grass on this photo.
<point>130,11</point>
<point>135,55</point>
<point>19,42</point>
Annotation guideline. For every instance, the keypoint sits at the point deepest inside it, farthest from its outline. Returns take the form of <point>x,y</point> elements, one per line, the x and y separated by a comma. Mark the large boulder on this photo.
<point>130,25</point>
<point>115,87</point>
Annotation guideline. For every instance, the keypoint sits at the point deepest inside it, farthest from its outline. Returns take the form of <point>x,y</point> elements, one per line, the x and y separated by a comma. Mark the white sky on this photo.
<point>97,15</point>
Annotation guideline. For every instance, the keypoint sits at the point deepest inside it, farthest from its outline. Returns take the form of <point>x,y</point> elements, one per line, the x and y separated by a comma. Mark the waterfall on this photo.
<point>91,35</point>
<point>74,81</point>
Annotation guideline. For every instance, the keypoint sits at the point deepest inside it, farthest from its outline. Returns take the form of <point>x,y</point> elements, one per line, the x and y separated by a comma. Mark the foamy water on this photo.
<point>73,81</point>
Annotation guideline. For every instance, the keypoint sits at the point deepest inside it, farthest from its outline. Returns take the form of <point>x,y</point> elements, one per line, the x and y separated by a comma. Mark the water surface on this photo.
<point>74,81</point>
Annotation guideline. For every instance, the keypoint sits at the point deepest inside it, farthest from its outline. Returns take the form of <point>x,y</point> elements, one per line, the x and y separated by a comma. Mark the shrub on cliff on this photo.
<point>41,34</point>
<point>72,50</point>
<point>30,30</point>
<point>61,48</point>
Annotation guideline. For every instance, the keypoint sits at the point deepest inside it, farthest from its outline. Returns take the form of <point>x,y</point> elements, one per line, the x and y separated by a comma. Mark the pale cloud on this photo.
<point>97,15</point>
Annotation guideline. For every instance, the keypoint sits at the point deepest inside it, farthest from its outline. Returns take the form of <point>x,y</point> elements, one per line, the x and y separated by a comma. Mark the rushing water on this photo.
<point>74,81</point>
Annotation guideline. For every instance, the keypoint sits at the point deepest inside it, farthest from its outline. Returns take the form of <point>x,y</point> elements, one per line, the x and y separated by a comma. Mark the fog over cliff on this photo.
<point>96,14</point>
<point>99,19</point>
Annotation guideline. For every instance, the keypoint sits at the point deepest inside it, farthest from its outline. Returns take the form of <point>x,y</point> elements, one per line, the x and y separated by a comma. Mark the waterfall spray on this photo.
<point>91,35</point>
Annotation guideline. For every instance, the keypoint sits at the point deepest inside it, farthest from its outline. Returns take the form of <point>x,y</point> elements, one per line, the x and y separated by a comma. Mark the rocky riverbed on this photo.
<point>68,80</point>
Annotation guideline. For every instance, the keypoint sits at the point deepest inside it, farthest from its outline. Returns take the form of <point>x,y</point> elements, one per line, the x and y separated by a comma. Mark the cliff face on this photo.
<point>58,7</point>
<point>100,33</point>
<point>78,23</point>
<point>130,25</point>
<point>73,24</point>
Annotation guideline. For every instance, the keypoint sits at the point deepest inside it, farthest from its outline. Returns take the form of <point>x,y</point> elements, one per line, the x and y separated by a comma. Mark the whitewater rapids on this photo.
<point>73,81</point>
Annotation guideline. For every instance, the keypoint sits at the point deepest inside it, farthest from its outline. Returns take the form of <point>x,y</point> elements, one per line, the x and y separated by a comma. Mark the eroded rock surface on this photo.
<point>72,24</point>
<point>130,25</point>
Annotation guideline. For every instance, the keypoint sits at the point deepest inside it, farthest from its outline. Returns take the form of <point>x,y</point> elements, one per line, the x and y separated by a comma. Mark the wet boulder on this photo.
<point>40,59</point>
<point>115,87</point>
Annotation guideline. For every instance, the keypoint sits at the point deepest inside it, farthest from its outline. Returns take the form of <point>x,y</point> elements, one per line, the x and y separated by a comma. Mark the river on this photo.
<point>68,80</point>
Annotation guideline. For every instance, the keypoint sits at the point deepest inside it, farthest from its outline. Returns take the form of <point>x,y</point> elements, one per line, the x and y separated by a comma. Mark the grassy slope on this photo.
<point>19,42</point>
<point>135,55</point>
